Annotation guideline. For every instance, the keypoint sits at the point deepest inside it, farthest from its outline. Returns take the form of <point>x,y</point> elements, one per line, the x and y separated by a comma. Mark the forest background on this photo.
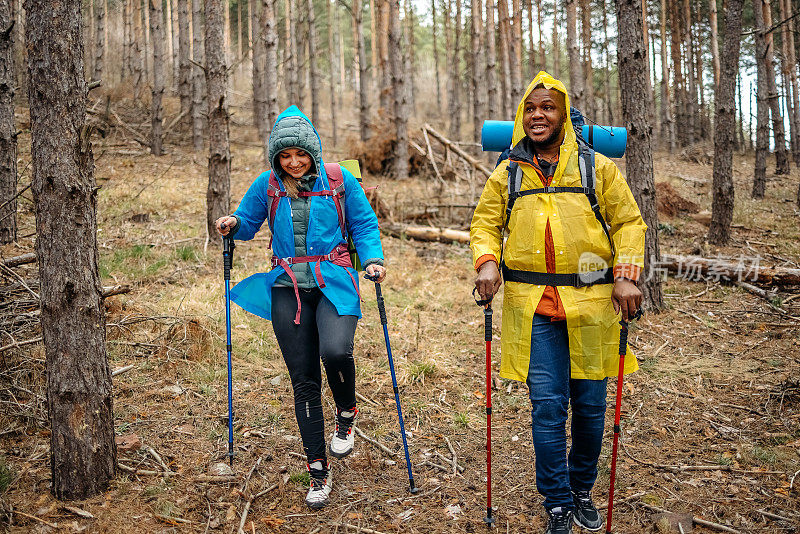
<point>112,359</point>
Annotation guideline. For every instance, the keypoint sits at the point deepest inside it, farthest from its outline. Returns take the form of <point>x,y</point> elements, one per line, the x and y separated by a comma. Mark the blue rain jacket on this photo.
<point>254,293</point>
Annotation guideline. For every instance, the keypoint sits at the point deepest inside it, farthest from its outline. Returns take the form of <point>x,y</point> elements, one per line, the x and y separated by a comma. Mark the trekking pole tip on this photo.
<point>489,520</point>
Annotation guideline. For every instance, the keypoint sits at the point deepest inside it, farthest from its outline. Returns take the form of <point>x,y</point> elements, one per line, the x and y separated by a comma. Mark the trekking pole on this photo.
<point>623,349</point>
<point>382,312</point>
<point>487,336</point>
<point>227,256</point>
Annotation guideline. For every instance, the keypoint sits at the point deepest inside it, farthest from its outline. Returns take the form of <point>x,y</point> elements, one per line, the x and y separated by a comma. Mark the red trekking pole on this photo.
<point>487,335</point>
<point>623,349</point>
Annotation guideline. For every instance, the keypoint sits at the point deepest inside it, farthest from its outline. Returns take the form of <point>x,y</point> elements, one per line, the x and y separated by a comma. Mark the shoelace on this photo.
<point>584,499</point>
<point>318,484</point>
<point>561,520</point>
<point>343,426</point>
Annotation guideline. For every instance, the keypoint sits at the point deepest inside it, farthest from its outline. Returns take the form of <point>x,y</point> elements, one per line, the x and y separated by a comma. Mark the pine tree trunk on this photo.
<point>712,19</point>
<point>556,44</point>
<point>576,80</point>
<point>637,113</point>
<point>588,77</point>
<point>312,62</point>
<point>542,59</point>
<point>99,38</point>
<point>719,232</point>
<point>528,7</point>
<point>259,80</point>
<point>292,89</point>
<point>477,72</point>
<point>138,52</point>
<point>409,57</point>
<point>493,105</point>
<point>677,74</point>
<point>668,129</point>
<point>184,49</point>
<point>198,77</point>
<point>778,132</point>
<point>436,56</point>
<point>762,108</point>
<point>363,87</point>
<point>692,125</point>
<point>157,110</point>
<point>607,74</point>
<point>374,6</point>
<point>398,85</point>
<point>515,52</point>
<point>8,130</point>
<point>218,195</point>
<point>79,392</point>
<point>127,40</point>
<point>387,97</point>
<point>239,36</point>
<point>790,61</point>
<point>146,48</point>
<point>453,97</point>
<point>174,40</point>
<point>505,57</point>
<point>269,33</point>
<point>88,25</point>
<point>331,6</point>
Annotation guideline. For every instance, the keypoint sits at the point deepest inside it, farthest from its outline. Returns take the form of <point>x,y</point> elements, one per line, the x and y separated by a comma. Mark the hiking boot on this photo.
<point>342,440</point>
<point>586,515</point>
<point>321,485</point>
<point>559,521</point>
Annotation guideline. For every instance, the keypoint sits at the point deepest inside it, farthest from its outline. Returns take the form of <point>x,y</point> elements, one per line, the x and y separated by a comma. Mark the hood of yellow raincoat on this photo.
<point>545,79</point>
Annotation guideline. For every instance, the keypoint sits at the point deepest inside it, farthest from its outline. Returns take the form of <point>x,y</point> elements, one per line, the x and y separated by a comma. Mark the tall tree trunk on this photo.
<point>556,44</point>
<point>637,113</point>
<point>387,96</point>
<point>146,48</point>
<point>532,53</point>
<point>374,6</point>
<point>138,50</point>
<point>719,232</point>
<point>127,40</point>
<point>173,40</point>
<point>607,74</point>
<point>668,129</point>
<point>198,76</point>
<point>218,195</point>
<point>789,62</point>
<point>712,19</point>
<point>259,79</point>
<point>292,83</point>
<point>477,72</point>
<point>331,6</point>
<point>88,37</point>
<point>157,110</point>
<point>778,132</point>
<point>436,56</point>
<point>8,130</point>
<point>453,97</point>
<point>505,58</point>
<point>588,77</point>
<point>312,62</point>
<point>79,394</point>
<point>409,57</point>
<point>692,123</point>
<point>363,87</point>
<point>99,38</point>
<point>398,85</point>
<point>542,59</point>
<point>576,80</point>
<point>269,33</point>
<point>239,36</point>
<point>677,73</point>
<point>493,107</point>
<point>515,52</point>
<point>762,108</point>
<point>184,49</point>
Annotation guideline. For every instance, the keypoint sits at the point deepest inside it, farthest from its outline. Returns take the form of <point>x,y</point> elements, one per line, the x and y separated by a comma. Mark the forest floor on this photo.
<point>711,422</point>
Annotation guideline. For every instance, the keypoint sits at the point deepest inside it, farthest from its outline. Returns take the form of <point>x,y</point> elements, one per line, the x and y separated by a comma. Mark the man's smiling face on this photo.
<point>544,116</point>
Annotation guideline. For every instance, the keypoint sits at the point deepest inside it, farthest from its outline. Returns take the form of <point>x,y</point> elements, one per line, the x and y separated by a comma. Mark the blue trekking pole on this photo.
<point>227,257</point>
<point>382,312</point>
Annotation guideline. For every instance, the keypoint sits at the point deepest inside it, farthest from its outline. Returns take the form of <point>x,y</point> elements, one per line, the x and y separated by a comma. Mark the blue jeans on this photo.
<point>551,391</point>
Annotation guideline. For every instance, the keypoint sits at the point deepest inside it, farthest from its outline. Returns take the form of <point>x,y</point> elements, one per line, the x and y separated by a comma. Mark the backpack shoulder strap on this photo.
<point>514,185</point>
<point>274,194</point>
<point>586,164</point>
<point>336,185</point>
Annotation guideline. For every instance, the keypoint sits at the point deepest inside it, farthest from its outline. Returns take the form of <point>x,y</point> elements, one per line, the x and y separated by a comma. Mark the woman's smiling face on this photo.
<point>295,161</point>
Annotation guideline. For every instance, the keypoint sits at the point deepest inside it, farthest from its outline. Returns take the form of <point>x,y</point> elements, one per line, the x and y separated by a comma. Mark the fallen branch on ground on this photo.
<point>697,267</point>
<point>701,522</point>
<point>375,442</point>
<point>452,146</point>
<point>250,503</point>
<point>16,261</point>
<point>427,233</point>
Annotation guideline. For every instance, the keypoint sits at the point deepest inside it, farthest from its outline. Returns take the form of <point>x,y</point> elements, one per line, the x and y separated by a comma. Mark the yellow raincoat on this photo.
<point>580,245</point>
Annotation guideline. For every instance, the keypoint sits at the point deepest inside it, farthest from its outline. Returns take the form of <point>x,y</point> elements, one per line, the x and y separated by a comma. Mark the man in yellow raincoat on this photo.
<point>567,278</point>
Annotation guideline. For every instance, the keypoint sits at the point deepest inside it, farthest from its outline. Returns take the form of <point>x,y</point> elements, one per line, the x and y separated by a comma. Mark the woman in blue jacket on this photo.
<point>311,294</point>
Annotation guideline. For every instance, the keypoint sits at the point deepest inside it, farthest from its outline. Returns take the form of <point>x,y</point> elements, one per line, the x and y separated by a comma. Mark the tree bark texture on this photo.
<point>576,81</point>
<point>588,77</point>
<point>477,74</point>
<point>773,98</point>
<point>363,88</point>
<point>8,130</point>
<point>156,109</point>
<point>436,55</point>
<point>609,118</point>
<point>258,77</point>
<point>398,84</point>
<point>198,77</point>
<point>332,28</point>
<point>667,121</point>
<point>762,108</point>
<point>453,92</point>
<point>312,62</point>
<point>493,104</point>
<point>507,83</point>
<point>127,40</point>
<point>692,122</point>
<point>99,38</point>
<point>184,50</point>
<point>719,232</point>
<point>269,33</point>
<point>788,62</point>
<point>556,45</point>
<point>712,20</point>
<point>173,44</point>
<point>218,195</point>
<point>636,113</point>
<point>79,395</point>
<point>138,52</point>
<point>292,82</point>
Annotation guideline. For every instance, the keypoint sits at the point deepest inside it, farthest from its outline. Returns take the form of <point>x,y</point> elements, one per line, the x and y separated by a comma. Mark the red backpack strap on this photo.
<point>274,194</point>
<point>336,185</point>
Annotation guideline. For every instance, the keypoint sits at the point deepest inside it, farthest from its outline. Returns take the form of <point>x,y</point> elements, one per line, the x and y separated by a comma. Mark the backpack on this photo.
<point>336,191</point>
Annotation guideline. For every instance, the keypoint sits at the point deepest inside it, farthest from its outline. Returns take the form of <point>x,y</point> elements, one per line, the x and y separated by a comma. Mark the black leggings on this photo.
<point>322,333</point>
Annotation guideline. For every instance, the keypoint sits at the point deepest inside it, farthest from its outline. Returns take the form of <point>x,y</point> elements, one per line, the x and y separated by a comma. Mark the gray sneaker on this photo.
<point>586,515</point>
<point>559,521</point>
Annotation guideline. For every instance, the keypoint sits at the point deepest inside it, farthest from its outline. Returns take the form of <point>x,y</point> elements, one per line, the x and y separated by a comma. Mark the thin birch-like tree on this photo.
<point>156,108</point>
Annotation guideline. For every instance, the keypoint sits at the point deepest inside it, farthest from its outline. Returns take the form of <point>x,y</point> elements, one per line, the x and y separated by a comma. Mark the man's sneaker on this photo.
<point>342,440</point>
<point>321,484</point>
<point>586,515</point>
<point>559,521</point>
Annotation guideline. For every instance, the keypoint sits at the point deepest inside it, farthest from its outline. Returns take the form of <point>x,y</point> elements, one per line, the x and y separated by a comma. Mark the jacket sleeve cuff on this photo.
<point>628,271</point>
<point>236,226</point>
<point>372,261</point>
<point>483,259</point>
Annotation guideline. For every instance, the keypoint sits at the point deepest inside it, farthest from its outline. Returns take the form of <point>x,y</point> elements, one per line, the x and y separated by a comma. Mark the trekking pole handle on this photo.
<point>227,255</point>
<point>487,323</point>
<point>623,332</point>
<point>378,296</point>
